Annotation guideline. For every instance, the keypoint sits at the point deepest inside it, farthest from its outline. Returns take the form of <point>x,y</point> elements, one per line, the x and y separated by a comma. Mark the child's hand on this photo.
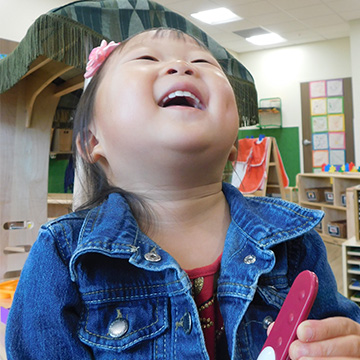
<point>336,338</point>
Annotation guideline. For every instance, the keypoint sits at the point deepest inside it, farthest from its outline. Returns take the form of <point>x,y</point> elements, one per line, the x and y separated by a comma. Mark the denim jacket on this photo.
<point>95,287</point>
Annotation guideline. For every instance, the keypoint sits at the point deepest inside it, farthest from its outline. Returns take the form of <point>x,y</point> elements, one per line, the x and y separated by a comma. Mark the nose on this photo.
<point>180,67</point>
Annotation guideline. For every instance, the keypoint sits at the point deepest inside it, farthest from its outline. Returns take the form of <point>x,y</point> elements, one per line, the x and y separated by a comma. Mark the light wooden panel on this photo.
<point>26,115</point>
<point>24,164</point>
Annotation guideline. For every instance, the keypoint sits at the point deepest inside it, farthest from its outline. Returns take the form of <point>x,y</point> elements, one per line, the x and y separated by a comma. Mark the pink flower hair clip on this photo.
<point>97,56</point>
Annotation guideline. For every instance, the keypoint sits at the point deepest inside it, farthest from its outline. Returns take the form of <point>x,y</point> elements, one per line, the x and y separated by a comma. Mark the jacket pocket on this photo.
<point>121,325</point>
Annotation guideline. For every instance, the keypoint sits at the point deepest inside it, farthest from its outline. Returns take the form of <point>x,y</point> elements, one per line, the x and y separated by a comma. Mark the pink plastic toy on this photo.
<point>295,309</point>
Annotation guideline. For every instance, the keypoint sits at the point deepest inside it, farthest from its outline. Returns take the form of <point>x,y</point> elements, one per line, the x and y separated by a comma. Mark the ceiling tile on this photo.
<point>166,2</point>
<point>335,31</point>
<point>303,36</point>
<point>348,5</point>
<point>227,3</point>
<point>241,46</point>
<point>227,37</point>
<point>326,20</point>
<point>308,12</point>
<point>237,25</point>
<point>350,15</point>
<point>271,19</point>
<point>255,8</point>
<point>290,26</point>
<point>294,4</point>
<point>188,7</point>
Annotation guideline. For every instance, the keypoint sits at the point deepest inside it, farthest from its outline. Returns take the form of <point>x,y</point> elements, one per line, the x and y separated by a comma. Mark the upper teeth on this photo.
<point>180,93</point>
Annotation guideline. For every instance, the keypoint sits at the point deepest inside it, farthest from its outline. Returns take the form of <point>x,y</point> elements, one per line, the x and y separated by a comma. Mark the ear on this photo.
<point>94,150</point>
<point>233,152</point>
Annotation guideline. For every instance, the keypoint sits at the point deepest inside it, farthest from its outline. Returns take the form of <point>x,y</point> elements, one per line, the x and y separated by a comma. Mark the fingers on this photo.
<point>338,338</point>
<point>269,328</point>
<point>317,330</point>
<point>343,347</point>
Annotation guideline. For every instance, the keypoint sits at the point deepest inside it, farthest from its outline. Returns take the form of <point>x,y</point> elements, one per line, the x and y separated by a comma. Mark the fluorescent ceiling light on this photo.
<point>216,16</point>
<point>266,39</point>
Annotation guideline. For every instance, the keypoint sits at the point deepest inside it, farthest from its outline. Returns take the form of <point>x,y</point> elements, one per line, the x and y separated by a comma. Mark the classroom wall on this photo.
<point>279,72</point>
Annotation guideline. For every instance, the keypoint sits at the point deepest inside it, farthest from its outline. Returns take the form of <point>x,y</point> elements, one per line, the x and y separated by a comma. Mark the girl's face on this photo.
<point>160,98</point>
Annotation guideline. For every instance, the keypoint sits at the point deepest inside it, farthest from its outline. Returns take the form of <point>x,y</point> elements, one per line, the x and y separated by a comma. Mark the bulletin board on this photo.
<point>327,122</point>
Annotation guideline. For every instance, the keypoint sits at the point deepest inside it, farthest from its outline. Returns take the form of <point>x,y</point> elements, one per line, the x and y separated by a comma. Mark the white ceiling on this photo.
<point>298,21</point>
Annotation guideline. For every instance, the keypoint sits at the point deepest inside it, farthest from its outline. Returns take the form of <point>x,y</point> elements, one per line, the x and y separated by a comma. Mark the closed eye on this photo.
<point>147,57</point>
<point>201,61</point>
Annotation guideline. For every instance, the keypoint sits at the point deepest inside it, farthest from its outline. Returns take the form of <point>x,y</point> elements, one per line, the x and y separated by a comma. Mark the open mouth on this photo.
<point>181,98</point>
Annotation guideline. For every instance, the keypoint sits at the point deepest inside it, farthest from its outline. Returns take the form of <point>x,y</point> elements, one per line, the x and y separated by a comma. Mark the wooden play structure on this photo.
<point>47,65</point>
<point>259,170</point>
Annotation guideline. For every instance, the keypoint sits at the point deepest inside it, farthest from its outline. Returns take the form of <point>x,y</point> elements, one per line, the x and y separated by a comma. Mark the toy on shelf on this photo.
<point>348,167</point>
<point>7,291</point>
<point>270,113</point>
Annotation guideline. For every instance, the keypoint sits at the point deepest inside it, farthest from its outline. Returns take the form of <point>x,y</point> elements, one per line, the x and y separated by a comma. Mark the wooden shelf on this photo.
<point>59,204</point>
<point>351,269</point>
<point>339,183</point>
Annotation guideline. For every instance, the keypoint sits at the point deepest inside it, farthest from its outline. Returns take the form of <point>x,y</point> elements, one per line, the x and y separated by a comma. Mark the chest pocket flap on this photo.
<point>120,325</point>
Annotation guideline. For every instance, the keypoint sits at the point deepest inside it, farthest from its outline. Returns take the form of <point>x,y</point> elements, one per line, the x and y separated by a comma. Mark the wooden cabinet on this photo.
<point>351,269</point>
<point>328,192</point>
<point>351,247</point>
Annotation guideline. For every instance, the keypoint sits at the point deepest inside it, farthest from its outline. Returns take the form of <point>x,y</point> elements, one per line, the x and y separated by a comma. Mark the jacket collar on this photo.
<point>268,221</point>
<point>111,229</point>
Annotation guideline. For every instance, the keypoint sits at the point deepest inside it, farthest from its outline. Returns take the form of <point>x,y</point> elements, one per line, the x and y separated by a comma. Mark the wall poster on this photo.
<point>327,123</point>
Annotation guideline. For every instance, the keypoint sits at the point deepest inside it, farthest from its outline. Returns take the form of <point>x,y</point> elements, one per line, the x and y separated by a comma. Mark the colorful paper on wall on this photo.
<point>336,122</point>
<point>337,140</point>
<point>319,123</point>
<point>327,122</point>
<point>320,157</point>
<point>317,89</point>
<point>318,106</point>
<point>335,105</point>
<point>334,87</point>
<point>337,157</point>
<point>320,141</point>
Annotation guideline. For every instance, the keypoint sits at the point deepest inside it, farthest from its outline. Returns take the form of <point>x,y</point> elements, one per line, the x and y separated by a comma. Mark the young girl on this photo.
<point>164,261</point>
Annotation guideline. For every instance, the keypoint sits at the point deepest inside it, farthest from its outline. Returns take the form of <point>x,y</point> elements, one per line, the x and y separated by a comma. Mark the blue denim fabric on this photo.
<point>89,270</point>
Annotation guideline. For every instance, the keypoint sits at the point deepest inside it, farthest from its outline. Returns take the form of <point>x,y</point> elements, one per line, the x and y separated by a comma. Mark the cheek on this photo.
<point>227,101</point>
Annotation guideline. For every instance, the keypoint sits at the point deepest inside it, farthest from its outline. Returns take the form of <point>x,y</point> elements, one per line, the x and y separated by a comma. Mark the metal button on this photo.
<point>250,259</point>
<point>152,256</point>
<point>267,321</point>
<point>118,328</point>
<point>187,323</point>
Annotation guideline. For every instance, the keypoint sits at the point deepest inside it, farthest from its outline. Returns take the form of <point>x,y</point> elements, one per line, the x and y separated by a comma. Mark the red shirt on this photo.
<point>204,281</point>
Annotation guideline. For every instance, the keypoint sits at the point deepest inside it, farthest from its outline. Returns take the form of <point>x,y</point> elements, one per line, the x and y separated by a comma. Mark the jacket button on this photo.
<point>152,256</point>
<point>250,259</point>
<point>118,328</point>
<point>185,323</point>
<point>267,321</point>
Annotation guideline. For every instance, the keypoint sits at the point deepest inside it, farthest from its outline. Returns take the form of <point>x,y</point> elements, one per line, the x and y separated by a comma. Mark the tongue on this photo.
<point>178,101</point>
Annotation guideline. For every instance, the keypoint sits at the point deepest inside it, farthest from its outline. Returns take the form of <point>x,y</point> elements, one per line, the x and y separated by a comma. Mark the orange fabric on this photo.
<point>250,168</point>
<point>251,165</point>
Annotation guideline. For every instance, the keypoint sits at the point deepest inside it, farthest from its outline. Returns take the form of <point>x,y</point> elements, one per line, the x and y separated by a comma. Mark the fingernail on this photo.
<point>308,333</point>
<point>299,350</point>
